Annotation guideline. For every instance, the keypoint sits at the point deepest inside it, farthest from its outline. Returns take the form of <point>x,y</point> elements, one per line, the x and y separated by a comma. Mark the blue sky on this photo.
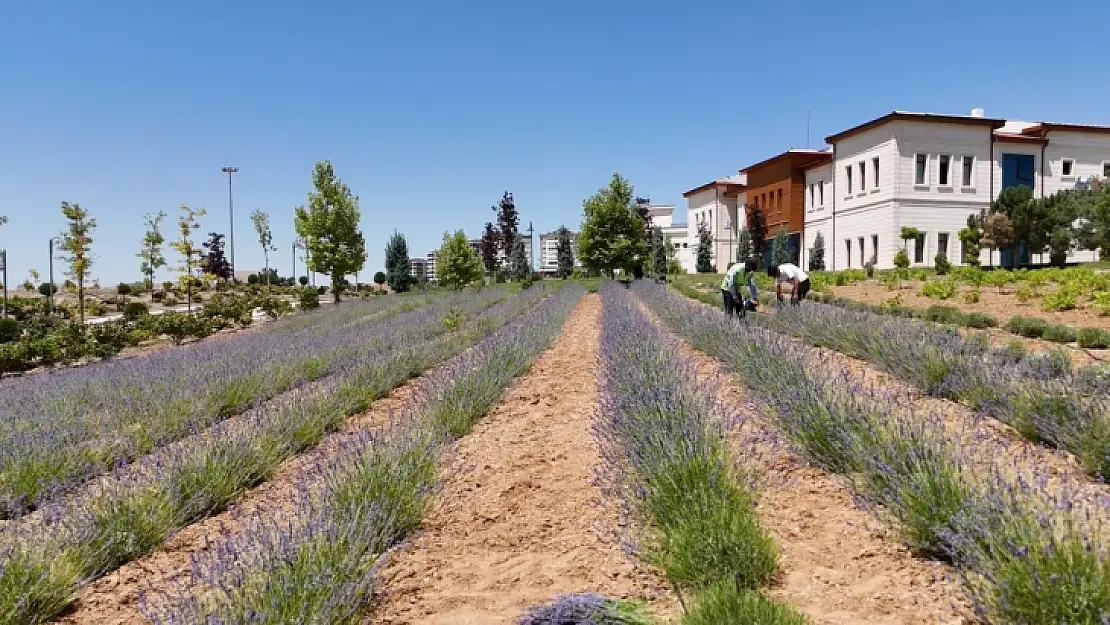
<point>430,109</point>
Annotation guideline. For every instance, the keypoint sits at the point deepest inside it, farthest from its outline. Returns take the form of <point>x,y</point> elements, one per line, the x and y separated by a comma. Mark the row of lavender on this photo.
<point>318,564</point>
<point>1039,395</point>
<point>58,430</point>
<point>665,459</point>
<point>1024,553</point>
<point>124,517</point>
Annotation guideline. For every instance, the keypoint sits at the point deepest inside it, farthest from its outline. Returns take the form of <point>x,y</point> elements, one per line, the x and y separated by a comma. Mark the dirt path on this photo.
<point>518,521</point>
<point>838,563</point>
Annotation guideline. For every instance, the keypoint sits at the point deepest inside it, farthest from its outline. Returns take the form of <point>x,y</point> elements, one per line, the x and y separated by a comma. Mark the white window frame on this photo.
<point>812,197</point>
<point>821,192</point>
<point>848,172</point>
<point>862,255</point>
<point>924,249</point>
<point>924,182</point>
<point>941,169</point>
<point>862,178</point>
<point>875,248</point>
<point>1105,165</point>
<point>971,183</point>
<point>848,247</point>
<point>1070,175</point>
<point>875,186</point>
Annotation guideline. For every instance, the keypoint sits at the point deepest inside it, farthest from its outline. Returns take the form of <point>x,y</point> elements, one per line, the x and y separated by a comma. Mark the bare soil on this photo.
<point>838,562</point>
<point>1000,305</point>
<point>519,521</point>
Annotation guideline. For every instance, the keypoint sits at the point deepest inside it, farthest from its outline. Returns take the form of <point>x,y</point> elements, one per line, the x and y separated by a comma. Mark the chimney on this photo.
<point>978,113</point>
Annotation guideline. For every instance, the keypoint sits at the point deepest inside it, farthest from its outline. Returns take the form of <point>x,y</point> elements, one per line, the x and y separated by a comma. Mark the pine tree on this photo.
<point>743,245</point>
<point>398,267</point>
<point>488,248</point>
<point>659,252</point>
<point>215,262</point>
<point>780,248</point>
<point>564,253</point>
<point>817,254</point>
<point>519,265</point>
<point>757,228</point>
<point>508,222</point>
<point>704,262</point>
<point>329,227</point>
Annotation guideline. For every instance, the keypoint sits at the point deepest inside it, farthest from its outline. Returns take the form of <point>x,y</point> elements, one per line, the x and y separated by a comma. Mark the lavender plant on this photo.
<point>666,462</point>
<point>586,609</point>
<point>122,521</point>
<point>319,566</point>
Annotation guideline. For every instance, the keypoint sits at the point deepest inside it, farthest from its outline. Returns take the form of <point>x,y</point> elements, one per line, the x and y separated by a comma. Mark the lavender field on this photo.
<point>548,455</point>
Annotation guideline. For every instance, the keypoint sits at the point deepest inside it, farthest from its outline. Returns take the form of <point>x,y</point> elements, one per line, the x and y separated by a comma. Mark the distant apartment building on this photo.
<point>418,268</point>
<point>549,252</point>
<point>718,205</point>
<point>430,266</point>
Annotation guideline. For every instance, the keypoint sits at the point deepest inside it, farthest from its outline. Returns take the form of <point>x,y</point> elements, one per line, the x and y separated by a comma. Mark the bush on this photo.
<point>1059,333</point>
<point>972,296</point>
<point>46,289</point>
<point>586,608</point>
<point>10,329</point>
<point>901,260</point>
<point>981,321</point>
<point>941,264</point>
<point>180,326</point>
<point>724,603</point>
<point>944,314</point>
<point>869,268</point>
<point>322,290</point>
<point>939,289</point>
<point>252,279</point>
<point>169,300</point>
<point>308,298</point>
<point>1062,299</point>
<point>1031,327</point>
<point>123,288</point>
<point>273,306</point>
<point>1093,338</point>
<point>1024,294</point>
<point>225,309</point>
<point>133,310</point>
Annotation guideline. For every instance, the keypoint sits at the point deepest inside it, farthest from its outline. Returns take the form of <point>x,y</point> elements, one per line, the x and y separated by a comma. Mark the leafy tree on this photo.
<point>743,245</point>
<point>704,260</point>
<point>997,232</point>
<point>187,224</point>
<point>261,221</point>
<point>659,247</point>
<point>379,279</point>
<point>1059,244</point>
<point>457,265</point>
<point>564,253</point>
<point>612,237</point>
<point>970,237</point>
<point>519,263</point>
<point>46,289</point>
<point>908,233</point>
<point>303,280</point>
<point>901,259</point>
<point>77,245</point>
<point>398,267</point>
<point>1025,219</point>
<point>34,276</point>
<point>817,253</point>
<point>1093,211</point>
<point>329,227</point>
<point>151,251</point>
<point>757,227</point>
<point>643,208</point>
<point>488,248</point>
<point>508,222</point>
<point>215,262</point>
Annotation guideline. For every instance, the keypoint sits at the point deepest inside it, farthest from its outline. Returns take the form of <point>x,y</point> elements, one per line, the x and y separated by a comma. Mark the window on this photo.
<point>778,201</point>
<point>963,251</point>
<point>875,249</point>
<point>919,249</point>
<point>862,177</point>
<point>848,247</point>
<point>1067,168</point>
<point>848,172</point>
<point>861,256</point>
<point>942,244</point>
<point>921,170</point>
<point>969,171</point>
<point>875,173</point>
<point>812,196</point>
<point>821,193</point>
<point>945,166</point>
<point>1106,169</point>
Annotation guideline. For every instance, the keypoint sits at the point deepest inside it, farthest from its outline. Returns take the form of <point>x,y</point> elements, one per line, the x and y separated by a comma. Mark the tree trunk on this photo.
<point>81,299</point>
<point>335,288</point>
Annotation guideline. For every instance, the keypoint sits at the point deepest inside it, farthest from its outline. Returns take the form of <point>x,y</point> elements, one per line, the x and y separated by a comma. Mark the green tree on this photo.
<point>997,232</point>
<point>398,267</point>
<point>1059,244</point>
<point>817,253</point>
<point>379,279</point>
<point>215,263</point>
<point>519,263</point>
<point>457,265</point>
<point>743,245</point>
<point>329,227</point>
<point>151,251</point>
<point>77,247</point>
<point>970,237</point>
<point>261,221</point>
<point>1093,232</point>
<point>907,234</point>
<point>757,229</point>
<point>780,248</point>
<point>488,248</point>
<point>190,253</point>
<point>704,260</point>
<point>658,252</point>
<point>612,235</point>
<point>1025,219</point>
<point>564,253</point>
<point>508,224</point>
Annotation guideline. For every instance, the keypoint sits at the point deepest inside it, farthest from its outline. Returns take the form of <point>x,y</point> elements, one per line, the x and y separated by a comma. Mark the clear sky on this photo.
<point>429,109</point>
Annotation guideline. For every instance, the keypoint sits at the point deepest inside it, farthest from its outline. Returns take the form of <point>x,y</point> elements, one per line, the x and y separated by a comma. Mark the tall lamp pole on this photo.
<point>231,217</point>
<point>297,245</point>
<point>4,267</point>
<point>53,287</point>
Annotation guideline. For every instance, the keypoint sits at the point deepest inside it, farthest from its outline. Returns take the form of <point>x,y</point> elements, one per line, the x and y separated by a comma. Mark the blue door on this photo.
<point>1017,170</point>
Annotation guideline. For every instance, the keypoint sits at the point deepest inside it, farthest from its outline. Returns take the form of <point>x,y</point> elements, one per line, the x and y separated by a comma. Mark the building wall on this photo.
<point>1090,153</point>
<point>776,188</point>
<point>713,208</point>
<point>818,201</point>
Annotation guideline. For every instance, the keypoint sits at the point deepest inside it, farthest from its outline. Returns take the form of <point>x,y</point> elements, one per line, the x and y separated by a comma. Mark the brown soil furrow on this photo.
<point>518,521</point>
<point>838,562</point>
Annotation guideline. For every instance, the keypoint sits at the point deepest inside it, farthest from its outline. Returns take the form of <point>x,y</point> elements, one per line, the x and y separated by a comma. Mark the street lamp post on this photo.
<point>53,287</point>
<point>231,217</point>
<point>4,267</point>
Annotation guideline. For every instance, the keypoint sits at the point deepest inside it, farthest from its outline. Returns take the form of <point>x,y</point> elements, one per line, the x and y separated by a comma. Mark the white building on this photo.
<point>430,266</point>
<point>931,172</point>
<point>662,217</point>
<point>418,268</point>
<point>716,204</point>
<point>549,252</point>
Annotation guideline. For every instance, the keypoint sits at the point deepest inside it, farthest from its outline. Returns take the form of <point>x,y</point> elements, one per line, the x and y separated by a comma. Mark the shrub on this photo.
<point>944,314</point>
<point>1024,294</point>
<point>1093,338</point>
<point>725,603</point>
<point>180,326</point>
<point>901,260</point>
<point>169,300</point>
<point>941,264</point>
<point>123,288</point>
<point>939,289</point>
<point>308,298</point>
<point>273,306</point>
<point>973,296</point>
<point>999,278</point>
<point>1031,327</point>
<point>1063,299</point>
<point>46,289</point>
<point>869,268</point>
<point>133,310</point>
<point>10,329</point>
<point>1059,333</point>
<point>252,279</point>
<point>228,308</point>
<point>586,608</point>
<point>892,281</point>
<point>1101,302</point>
<point>980,320</point>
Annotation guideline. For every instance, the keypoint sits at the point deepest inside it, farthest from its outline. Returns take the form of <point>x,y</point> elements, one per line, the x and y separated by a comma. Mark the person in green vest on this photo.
<point>738,274</point>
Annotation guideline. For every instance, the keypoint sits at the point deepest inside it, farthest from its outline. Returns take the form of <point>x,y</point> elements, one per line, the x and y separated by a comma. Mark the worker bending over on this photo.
<point>792,275</point>
<point>739,273</point>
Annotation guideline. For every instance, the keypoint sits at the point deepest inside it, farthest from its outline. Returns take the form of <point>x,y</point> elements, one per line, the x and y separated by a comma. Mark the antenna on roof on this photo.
<point>807,127</point>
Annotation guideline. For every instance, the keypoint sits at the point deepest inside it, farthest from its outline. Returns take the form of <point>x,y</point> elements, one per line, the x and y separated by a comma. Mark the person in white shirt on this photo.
<point>738,274</point>
<point>787,273</point>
